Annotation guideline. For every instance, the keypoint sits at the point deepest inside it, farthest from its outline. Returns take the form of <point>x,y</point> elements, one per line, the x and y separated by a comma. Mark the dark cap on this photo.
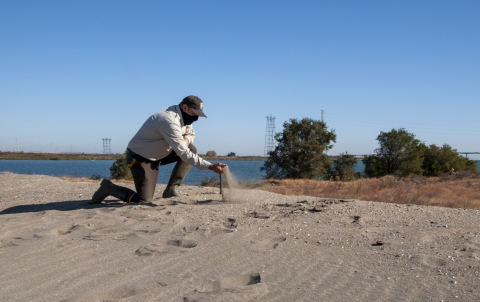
<point>195,103</point>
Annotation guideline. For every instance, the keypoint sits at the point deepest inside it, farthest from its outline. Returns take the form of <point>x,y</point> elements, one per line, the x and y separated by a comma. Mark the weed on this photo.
<point>210,182</point>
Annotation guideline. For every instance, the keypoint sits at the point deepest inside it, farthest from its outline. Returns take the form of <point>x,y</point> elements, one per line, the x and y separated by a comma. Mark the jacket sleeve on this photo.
<point>172,133</point>
<point>189,134</point>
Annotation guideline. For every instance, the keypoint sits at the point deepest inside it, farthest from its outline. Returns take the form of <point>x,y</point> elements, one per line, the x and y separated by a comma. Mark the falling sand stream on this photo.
<point>229,193</point>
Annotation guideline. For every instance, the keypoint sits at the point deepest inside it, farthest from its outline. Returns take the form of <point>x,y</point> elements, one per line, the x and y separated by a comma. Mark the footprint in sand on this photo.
<point>216,228</point>
<point>8,242</point>
<point>171,247</point>
<point>183,243</point>
<point>182,229</point>
<point>230,283</point>
<point>233,288</point>
<point>259,215</point>
<point>135,292</point>
<point>70,229</point>
<point>230,223</point>
<point>266,245</point>
<point>112,234</point>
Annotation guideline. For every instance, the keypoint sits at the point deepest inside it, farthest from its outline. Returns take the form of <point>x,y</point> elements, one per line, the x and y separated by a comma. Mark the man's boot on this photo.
<point>178,174</point>
<point>107,188</point>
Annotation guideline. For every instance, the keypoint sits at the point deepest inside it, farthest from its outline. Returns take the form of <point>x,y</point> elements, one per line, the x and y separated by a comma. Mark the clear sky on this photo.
<point>74,72</point>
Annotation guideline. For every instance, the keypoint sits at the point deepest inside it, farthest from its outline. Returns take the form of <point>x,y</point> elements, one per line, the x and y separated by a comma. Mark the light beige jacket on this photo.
<point>164,132</point>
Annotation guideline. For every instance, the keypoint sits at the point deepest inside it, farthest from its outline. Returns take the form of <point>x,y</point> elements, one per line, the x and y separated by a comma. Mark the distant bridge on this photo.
<point>362,156</point>
<point>357,157</point>
<point>466,153</point>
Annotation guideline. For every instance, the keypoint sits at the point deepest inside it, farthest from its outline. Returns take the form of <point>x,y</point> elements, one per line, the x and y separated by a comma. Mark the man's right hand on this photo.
<point>217,168</point>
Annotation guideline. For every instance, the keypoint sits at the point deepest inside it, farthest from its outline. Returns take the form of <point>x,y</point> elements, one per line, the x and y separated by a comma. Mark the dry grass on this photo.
<point>455,191</point>
<point>85,179</point>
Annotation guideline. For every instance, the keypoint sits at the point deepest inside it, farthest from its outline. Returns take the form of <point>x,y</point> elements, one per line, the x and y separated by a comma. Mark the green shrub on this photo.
<point>343,168</point>
<point>96,176</point>
<point>300,151</point>
<point>211,153</point>
<point>119,170</point>
<point>439,160</point>
<point>399,153</point>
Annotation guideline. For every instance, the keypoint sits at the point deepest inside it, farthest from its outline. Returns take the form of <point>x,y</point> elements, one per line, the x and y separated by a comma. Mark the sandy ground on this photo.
<point>258,246</point>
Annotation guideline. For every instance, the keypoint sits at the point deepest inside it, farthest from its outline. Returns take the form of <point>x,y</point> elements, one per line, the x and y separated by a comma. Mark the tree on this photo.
<point>231,154</point>
<point>211,153</point>
<point>343,168</point>
<point>300,150</point>
<point>374,166</point>
<point>440,160</point>
<point>399,153</point>
<point>119,170</point>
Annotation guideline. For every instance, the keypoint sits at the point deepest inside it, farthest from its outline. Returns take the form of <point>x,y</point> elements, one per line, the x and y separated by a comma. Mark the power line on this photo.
<point>417,127</point>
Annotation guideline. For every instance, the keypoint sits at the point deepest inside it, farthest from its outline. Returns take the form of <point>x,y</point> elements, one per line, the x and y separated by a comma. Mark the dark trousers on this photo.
<point>145,172</point>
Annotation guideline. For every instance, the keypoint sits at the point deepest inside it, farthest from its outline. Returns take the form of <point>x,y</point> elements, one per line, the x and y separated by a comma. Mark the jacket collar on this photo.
<point>178,110</point>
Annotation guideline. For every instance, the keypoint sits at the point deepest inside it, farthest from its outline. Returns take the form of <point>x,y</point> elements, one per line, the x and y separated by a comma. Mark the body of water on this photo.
<point>243,171</point>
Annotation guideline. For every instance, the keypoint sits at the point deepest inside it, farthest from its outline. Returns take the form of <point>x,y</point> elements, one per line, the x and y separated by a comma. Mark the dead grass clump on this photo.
<point>210,182</point>
<point>78,179</point>
<point>461,191</point>
<point>459,175</point>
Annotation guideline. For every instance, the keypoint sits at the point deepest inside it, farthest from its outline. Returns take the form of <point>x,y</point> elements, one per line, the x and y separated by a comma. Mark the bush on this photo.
<point>445,159</point>
<point>211,153</point>
<point>399,153</point>
<point>96,176</point>
<point>343,168</point>
<point>301,151</point>
<point>119,170</point>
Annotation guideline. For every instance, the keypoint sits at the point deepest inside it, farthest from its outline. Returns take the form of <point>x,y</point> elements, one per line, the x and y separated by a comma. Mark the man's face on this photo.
<point>188,110</point>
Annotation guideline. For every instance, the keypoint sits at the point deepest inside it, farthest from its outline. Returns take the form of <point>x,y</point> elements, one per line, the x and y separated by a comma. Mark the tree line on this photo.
<point>302,145</point>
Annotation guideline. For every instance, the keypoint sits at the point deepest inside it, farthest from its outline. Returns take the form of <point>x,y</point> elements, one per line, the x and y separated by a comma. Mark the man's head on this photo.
<point>192,104</point>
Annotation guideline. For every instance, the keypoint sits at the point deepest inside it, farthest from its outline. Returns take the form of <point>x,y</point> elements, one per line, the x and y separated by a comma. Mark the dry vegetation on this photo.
<point>85,179</point>
<point>455,191</point>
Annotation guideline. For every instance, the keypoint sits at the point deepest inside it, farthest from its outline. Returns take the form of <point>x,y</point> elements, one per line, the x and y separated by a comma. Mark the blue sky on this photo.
<point>74,72</point>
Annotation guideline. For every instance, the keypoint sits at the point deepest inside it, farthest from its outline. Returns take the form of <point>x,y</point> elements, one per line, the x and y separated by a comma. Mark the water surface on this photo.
<point>243,171</point>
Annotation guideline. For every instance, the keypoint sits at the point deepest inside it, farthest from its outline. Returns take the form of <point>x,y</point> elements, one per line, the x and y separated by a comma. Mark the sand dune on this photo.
<point>260,246</point>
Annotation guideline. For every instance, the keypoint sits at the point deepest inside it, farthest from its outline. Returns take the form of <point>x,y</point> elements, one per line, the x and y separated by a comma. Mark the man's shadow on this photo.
<point>69,205</point>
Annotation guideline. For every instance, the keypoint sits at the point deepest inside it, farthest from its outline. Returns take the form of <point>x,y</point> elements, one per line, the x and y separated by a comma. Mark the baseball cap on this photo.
<point>195,103</point>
